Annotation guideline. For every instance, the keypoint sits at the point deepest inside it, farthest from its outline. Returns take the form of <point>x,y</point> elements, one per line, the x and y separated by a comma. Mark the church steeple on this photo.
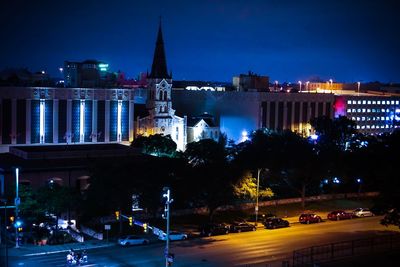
<point>159,66</point>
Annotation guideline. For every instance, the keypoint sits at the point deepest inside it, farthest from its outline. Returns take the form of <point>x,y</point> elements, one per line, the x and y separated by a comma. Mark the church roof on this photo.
<point>194,121</point>
<point>159,66</point>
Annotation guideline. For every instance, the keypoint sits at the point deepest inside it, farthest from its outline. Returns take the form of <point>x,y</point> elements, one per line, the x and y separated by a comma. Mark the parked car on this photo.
<point>214,229</point>
<point>242,227</point>
<point>309,218</point>
<point>173,236</point>
<point>339,215</point>
<point>132,240</point>
<point>273,223</point>
<point>362,212</point>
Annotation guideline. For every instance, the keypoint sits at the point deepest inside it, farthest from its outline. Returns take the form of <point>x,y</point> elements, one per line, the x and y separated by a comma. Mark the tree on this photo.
<point>211,176</point>
<point>247,188</point>
<point>156,145</point>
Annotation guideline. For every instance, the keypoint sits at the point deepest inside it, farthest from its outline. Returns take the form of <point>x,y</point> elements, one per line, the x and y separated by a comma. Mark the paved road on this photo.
<point>240,249</point>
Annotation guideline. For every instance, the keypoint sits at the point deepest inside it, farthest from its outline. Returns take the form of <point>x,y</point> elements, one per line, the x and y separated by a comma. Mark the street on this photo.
<point>236,249</point>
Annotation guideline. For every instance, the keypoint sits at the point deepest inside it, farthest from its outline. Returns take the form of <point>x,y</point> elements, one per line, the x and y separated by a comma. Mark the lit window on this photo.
<point>383,102</point>
<point>397,102</point>
<point>353,118</point>
<point>368,118</point>
<point>378,102</point>
<point>382,126</point>
<point>373,126</point>
<point>369,102</point>
<point>373,102</point>
<point>364,102</point>
<point>387,110</point>
<point>382,118</point>
<point>354,102</point>
<point>368,110</point>
<point>387,118</point>
<point>383,110</point>
<point>368,126</point>
<point>387,126</point>
<point>359,102</point>
<point>359,110</point>
<point>348,101</point>
<point>373,110</point>
<point>377,118</point>
<point>392,102</point>
<point>358,118</point>
<point>363,127</point>
<point>363,118</point>
<point>349,110</point>
<point>358,126</point>
<point>363,110</point>
<point>354,110</point>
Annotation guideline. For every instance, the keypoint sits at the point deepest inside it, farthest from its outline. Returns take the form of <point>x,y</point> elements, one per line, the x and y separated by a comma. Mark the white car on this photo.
<point>362,212</point>
<point>173,236</point>
<point>132,240</point>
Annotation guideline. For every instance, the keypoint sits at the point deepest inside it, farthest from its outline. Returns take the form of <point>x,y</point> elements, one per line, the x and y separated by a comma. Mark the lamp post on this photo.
<point>16,206</point>
<point>257,190</point>
<point>358,88</point>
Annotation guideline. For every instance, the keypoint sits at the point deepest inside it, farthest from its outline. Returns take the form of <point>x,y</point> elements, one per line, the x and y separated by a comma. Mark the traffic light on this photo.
<point>117,215</point>
<point>145,227</point>
<point>18,223</point>
<point>130,221</point>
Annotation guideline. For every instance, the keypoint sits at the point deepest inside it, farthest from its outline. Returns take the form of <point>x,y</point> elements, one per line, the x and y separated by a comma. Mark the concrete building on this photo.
<point>89,73</point>
<point>251,82</point>
<point>40,115</point>
<point>202,127</point>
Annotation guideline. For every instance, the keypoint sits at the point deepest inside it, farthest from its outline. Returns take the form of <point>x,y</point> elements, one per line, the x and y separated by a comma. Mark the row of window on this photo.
<point>372,118</point>
<point>373,102</point>
<point>387,126</point>
<point>368,110</point>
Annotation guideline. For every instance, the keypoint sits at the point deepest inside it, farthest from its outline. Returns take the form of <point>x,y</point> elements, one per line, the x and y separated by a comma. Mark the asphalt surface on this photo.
<point>253,249</point>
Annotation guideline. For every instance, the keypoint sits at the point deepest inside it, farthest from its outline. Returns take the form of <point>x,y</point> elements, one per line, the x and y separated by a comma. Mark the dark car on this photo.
<point>238,227</point>
<point>309,218</point>
<point>214,229</point>
<point>273,223</point>
<point>339,215</point>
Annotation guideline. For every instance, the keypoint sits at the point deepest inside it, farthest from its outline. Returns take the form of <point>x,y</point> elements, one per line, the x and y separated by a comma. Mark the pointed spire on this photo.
<point>159,66</point>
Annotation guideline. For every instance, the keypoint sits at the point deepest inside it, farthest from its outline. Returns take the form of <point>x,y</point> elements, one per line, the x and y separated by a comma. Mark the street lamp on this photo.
<point>300,86</point>
<point>358,88</point>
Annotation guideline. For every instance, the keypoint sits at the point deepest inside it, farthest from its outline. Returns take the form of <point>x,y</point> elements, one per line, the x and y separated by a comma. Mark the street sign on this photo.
<point>107,227</point>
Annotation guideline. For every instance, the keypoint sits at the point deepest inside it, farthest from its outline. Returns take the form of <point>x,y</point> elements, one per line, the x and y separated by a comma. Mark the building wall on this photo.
<point>38,115</point>
<point>241,112</point>
<point>372,114</point>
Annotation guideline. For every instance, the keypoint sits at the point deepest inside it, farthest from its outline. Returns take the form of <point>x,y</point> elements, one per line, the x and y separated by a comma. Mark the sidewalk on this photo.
<point>33,250</point>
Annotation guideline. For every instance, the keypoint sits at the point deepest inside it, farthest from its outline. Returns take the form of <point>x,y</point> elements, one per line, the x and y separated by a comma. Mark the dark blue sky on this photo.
<point>288,40</point>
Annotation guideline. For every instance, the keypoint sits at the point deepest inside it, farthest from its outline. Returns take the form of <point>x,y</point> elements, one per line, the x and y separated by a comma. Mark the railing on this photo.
<point>333,251</point>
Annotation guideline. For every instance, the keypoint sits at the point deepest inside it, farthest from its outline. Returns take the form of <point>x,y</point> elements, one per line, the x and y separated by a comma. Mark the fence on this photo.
<point>333,251</point>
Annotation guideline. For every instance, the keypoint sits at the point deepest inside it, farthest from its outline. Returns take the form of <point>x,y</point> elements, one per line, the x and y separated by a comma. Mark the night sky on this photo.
<point>288,40</point>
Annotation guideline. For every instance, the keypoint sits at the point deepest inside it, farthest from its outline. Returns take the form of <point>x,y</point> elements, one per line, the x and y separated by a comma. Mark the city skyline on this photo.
<point>214,40</point>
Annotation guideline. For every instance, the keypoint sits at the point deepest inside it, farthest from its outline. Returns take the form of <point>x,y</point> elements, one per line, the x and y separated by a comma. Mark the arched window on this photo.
<point>161,109</point>
<point>161,95</point>
<point>165,95</point>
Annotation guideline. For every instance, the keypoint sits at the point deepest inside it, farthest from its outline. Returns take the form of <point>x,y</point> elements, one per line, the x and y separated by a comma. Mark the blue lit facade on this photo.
<point>33,115</point>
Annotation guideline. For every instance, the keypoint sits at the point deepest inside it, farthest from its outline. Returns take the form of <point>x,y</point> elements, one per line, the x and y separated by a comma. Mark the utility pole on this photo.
<point>17,200</point>
<point>166,216</point>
